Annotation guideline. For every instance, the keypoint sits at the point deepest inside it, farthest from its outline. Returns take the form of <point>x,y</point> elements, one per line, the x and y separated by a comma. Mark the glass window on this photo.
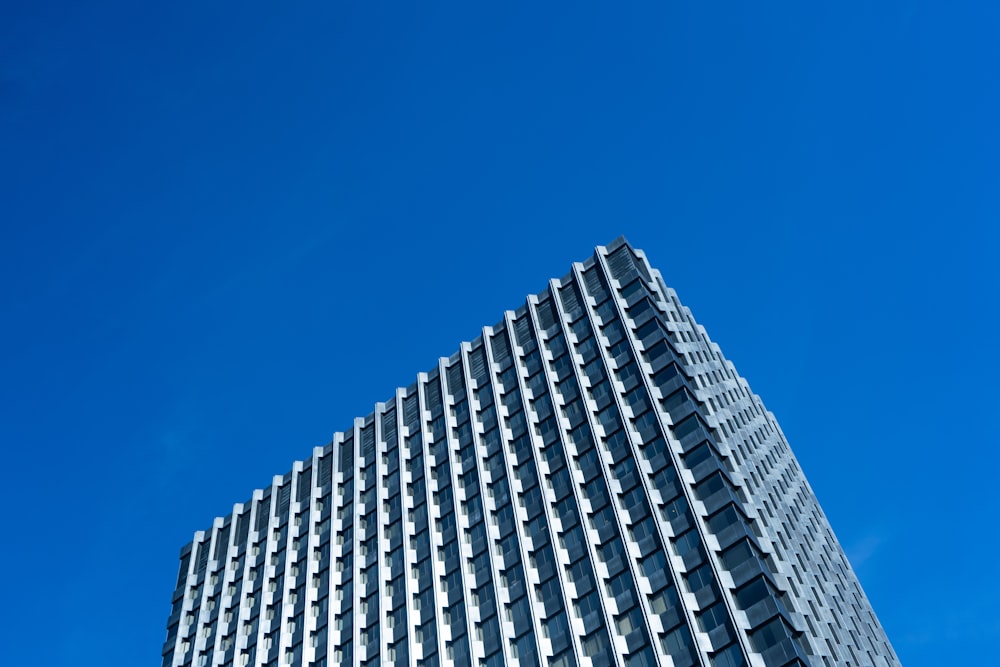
<point>697,455</point>
<point>676,399</point>
<point>699,578</point>
<point>768,635</point>
<point>751,593</point>
<point>731,656</point>
<point>676,512</point>
<point>650,327</point>
<point>629,622</point>
<point>678,645</point>
<point>710,485</point>
<point>737,554</point>
<point>663,600</point>
<point>687,542</point>
<point>687,426</point>
<point>713,617</point>
<point>652,564</point>
<point>721,520</point>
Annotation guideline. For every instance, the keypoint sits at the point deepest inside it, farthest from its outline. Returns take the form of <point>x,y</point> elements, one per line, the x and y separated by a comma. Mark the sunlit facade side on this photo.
<point>589,482</point>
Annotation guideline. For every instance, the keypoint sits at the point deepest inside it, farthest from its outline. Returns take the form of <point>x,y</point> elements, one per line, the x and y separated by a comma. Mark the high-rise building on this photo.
<point>588,482</point>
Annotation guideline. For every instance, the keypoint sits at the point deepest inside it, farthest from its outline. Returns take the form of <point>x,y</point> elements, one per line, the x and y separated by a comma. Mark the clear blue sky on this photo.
<point>228,228</point>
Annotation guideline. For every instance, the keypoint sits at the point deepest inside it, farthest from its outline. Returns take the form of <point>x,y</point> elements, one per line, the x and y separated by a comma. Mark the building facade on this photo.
<point>589,482</point>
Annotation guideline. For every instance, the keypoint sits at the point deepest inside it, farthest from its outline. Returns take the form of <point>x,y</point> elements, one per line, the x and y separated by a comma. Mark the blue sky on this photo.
<point>226,229</point>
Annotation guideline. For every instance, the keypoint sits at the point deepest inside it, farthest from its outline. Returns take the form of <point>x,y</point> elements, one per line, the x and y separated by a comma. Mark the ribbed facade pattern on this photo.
<point>589,482</point>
